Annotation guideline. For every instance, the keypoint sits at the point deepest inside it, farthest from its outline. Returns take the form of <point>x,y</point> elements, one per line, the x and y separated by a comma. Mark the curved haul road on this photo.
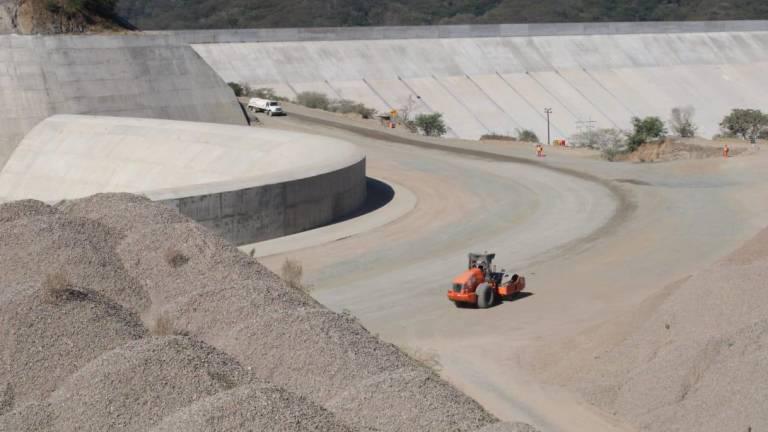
<point>590,247</point>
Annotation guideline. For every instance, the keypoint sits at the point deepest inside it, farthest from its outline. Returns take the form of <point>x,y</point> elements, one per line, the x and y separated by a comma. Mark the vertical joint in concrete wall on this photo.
<point>374,91</point>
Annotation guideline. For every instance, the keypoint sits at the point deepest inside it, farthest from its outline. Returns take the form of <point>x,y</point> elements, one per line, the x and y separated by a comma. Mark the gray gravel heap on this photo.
<point>252,408</point>
<point>43,342</point>
<point>232,302</point>
<point>699,361</point>
<point>253,351</point>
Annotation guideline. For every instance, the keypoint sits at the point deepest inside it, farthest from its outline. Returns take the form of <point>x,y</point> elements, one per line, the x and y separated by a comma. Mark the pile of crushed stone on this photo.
<point>699,361</point>
<point>46,337</point>
<point>233,344</point>
<point>252,407</point>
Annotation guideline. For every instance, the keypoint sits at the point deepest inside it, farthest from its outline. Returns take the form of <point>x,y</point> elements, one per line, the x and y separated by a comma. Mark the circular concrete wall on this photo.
<point>248,184</point>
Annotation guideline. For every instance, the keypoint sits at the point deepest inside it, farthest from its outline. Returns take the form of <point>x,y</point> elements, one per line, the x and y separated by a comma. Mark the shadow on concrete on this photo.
<point>378,194</point>
<point>517,296</point>
<point>508,299</point>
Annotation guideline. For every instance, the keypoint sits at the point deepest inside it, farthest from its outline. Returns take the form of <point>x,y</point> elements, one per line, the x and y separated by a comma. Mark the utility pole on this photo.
<point>589,125</point>
<point>548,111</point>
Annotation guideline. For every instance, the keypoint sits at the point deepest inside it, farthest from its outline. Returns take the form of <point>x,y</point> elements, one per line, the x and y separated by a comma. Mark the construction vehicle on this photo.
<point>482,286</point>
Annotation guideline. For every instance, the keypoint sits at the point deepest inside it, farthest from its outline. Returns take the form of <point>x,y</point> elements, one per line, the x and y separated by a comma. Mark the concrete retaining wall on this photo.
<point>248,184</point>
<point>265,212</point>
<point>111,75</point>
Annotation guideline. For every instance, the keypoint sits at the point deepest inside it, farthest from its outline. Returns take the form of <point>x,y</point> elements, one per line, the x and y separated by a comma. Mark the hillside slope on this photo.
<point>59,16</point>
<point>191,14</point>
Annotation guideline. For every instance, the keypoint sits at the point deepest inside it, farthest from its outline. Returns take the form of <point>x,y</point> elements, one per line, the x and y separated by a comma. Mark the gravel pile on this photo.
<point>699,362</point>
<point>252,408</point>
<point>44,339</point>
<point>47,243</point>
<point>253,351</point>
<point>232,302</point>
<point>134,387</point>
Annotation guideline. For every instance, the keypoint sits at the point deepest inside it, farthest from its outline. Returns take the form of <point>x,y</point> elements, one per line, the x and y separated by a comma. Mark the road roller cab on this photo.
<point>481,285</point>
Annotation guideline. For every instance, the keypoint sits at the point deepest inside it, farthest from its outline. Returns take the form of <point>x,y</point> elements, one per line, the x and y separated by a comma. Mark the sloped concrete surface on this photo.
<point>249,184</point>
<point>109,75</point>
<point>495,79</point>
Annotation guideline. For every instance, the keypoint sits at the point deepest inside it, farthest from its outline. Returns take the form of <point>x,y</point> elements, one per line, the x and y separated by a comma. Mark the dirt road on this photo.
<point>594,241</point>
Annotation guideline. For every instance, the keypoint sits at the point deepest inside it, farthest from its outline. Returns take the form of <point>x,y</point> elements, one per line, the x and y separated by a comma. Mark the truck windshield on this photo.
<point>273,104</point>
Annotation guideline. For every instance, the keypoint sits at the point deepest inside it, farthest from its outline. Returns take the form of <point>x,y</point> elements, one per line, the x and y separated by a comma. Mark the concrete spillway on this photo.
<point>495,79</point>
<point>112,75</point>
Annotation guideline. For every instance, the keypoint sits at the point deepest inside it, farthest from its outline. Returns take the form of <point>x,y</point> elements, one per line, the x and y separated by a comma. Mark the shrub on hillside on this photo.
<point>346,106</point>
<point>266,93</point>
<point>527,135</point>
<point>600,139</point>
<point>645,130</point>
<point>431,124</point>
<point>497,137</point>
<point>72,6</point>
<point>240,90</point>
<point>312,99</point>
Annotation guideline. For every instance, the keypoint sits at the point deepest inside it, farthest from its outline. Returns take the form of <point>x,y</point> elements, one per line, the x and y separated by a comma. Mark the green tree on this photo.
<point>431,124</point>
<point>527,135</point>
<point>746,123</point>
<point>645,130</point>
<point>237,89</point>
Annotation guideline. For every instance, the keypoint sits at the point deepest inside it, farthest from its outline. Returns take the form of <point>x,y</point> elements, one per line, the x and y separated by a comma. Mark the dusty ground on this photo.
<point>593,247</point>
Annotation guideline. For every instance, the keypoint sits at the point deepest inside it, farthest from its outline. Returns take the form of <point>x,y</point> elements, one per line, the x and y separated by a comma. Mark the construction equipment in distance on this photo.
<point>482,285</point>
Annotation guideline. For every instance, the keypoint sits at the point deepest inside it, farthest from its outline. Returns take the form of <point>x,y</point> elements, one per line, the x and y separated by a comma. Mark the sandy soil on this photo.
<point>594,248</point>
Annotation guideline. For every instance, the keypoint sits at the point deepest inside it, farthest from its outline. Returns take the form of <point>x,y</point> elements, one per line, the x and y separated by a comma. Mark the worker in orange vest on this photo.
<point>725,150</point>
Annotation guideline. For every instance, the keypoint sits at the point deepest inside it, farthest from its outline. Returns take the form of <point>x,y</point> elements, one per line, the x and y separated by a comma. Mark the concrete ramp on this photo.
<point>500,78</point>
<point>114,75</point>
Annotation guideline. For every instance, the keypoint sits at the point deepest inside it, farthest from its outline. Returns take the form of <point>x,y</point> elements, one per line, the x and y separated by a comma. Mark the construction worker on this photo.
<point>539,150</point>
<point>726,150</point>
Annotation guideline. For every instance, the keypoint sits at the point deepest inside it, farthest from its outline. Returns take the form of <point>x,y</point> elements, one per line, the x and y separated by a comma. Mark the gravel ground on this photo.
<point>232,302</point>
<point>77,355</point>
<point>45,342</point>
<point>509,427</point>
<point>253,408</point>
<point>699,361</point>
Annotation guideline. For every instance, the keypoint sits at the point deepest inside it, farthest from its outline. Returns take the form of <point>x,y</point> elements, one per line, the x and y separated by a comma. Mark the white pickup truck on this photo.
<point>272,108</point>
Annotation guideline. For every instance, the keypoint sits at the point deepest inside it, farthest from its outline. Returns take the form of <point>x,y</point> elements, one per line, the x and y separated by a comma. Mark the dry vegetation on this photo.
<point>175,258</point>
<point>292,272</point>
<point>57,288</point>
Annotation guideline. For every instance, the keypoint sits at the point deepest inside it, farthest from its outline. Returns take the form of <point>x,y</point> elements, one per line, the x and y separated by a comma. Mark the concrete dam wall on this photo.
<point>130,76</point>
<point>496,79</point>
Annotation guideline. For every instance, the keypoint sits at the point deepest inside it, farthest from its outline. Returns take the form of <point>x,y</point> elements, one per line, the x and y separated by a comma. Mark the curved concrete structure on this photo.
<point>249,184</point>
<point>109,75</point>
<point>494,79</point>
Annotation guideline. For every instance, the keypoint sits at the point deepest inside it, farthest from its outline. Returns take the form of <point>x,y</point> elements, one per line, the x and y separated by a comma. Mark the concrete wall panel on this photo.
<point>523,114</point>
<point>42,76</point>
